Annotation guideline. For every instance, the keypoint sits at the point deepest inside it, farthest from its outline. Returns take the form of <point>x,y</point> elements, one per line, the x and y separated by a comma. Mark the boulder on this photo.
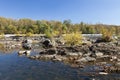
<point>47,43</point>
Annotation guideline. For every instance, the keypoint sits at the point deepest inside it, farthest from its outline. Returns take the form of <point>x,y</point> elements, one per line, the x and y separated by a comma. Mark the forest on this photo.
<point>24,26</point>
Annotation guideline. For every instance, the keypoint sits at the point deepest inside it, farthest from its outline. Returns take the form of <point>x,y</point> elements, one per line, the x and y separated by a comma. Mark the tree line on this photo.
<point>24,26</point>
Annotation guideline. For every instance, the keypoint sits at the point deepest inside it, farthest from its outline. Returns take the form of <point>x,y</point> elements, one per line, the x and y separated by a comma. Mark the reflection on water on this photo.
<point>14,67</point>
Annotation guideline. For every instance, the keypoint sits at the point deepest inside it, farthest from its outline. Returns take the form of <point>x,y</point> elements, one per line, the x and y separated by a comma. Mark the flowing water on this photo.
<point>14,67</point>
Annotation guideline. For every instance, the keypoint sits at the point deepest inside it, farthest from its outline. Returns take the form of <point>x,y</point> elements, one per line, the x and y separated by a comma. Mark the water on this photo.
<point>14,67</point>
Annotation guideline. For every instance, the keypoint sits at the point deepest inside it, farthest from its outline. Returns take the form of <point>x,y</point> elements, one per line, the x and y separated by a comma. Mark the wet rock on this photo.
<point>59,58</point>
<point>32,57</point>
<point>113,69</point>
<point>21,52</point>
<point>86,59</point>
<point>27,53</point>
<point>46,57</point>
<point>103,73</point>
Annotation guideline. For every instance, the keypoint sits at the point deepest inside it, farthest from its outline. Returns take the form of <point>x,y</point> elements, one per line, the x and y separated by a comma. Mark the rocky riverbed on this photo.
<point>104,56</point>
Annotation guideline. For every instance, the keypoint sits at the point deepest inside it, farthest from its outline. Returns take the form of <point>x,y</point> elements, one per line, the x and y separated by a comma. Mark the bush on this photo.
<point>73,38</point>
<point>107,35</point>
<point>29,34</point>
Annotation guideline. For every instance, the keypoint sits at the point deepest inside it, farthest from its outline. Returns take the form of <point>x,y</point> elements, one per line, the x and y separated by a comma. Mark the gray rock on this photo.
<point>117,64</point>
<point>99,54</point>
<point>74,54</point>
<point>86,59</point>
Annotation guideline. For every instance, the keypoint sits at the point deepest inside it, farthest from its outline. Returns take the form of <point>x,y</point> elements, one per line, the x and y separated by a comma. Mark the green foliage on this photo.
<point>73,38</point>
<point>25,26</point>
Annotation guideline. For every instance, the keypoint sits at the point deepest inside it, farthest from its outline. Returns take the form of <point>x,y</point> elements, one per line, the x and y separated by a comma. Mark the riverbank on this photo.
<point>105,56</point>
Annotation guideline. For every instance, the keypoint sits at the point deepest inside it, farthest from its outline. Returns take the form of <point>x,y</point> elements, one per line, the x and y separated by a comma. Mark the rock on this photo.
<point>99,54</point>
<point>51,51</point>
<point>74,54</point>
<point>88,54</point>
<point>27,44</point>
<point>104,57</point>
<point>90,59</point>
<point>21,52</point>
<point>114,57</point>
<point>46,57</point>
<point>27,53</point>
<point>117,64</point>
<point>118,60</point>
<point>118,43</point>
<point>86,59</point>
<point>31,57</point>
<point>37,56</point>
<point>47,43</point>
<point>103,73</point>
<point>61,52</point>
<point>59,58</point>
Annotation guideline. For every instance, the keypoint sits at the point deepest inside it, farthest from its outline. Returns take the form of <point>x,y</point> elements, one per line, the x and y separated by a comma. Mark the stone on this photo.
<point>51,51</point>
<point>74,54</point>
<point>61,52</point>
<point>99,54</point>
<point>117,64</point>
<point>47,43</point>
<point>103,73</point>
<point>21,52</point>
<point>86,59</point>
<point>27,53</point>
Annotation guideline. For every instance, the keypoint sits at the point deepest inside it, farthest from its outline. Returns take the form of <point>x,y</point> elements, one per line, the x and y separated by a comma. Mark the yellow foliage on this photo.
<point>73,38</point>
<point>107,34</point>
<point>29,34</point>
<point>2,36</point>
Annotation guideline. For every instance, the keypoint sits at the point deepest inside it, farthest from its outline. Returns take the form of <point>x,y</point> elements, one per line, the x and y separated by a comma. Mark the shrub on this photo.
<point>107,34</point>
<point>73,38</point>
<point>29,34</point>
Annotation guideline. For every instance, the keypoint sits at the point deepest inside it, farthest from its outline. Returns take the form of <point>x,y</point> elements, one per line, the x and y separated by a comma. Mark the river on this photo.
<point>14,67</point>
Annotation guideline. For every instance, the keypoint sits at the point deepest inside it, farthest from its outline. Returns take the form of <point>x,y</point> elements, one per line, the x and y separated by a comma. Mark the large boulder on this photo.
<point>47,43</point>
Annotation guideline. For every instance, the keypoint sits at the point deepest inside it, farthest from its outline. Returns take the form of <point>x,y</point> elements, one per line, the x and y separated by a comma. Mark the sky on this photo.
<point>88,11</point>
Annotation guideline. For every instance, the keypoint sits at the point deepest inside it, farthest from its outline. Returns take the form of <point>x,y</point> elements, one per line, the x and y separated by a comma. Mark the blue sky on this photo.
<point>88,11</point>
